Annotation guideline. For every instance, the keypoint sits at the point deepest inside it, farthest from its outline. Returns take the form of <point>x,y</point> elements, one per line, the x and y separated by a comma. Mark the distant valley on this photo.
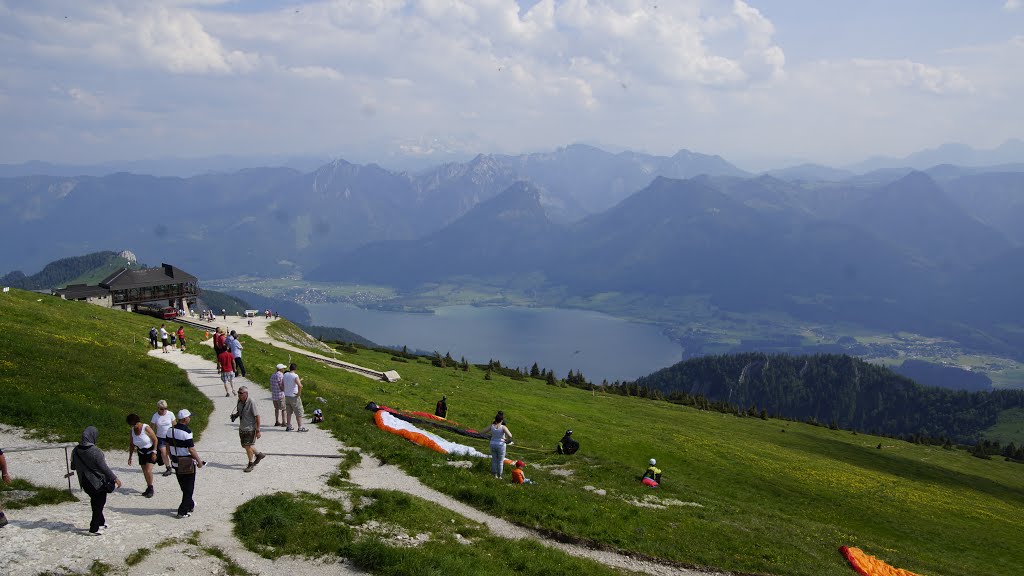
<point>723,260</point>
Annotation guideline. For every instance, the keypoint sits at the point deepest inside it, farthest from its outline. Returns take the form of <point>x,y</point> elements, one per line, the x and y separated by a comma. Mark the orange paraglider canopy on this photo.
<point>867,565</point>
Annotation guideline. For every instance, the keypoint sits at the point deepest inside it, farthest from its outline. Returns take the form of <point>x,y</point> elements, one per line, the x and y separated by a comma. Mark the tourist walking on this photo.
<point>6,477</point>
<point>181,337</point>
<point>500,437</point>
<point>94,476</point>
<point>142,439</point>
<point>293,398</point>
<point>236,350</point>
<point>162,421</point>
<point>277,394</point>
<point>226,364</point>
<point>185,460</point>
<point>248,426</point>
<point>219,341</point>
<point>164,337</point>
<point>153,335</point>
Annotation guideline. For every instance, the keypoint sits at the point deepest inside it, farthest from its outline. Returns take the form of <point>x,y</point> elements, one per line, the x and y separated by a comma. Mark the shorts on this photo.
<point>146,455</point>
<point>294,405</point>
<point>165,341</point>
<point>247,437</point>
<point>279,404</point>
<point>227,377</point>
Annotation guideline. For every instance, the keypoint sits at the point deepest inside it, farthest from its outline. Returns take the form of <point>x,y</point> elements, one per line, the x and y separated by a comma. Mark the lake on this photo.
<point>602,346</point>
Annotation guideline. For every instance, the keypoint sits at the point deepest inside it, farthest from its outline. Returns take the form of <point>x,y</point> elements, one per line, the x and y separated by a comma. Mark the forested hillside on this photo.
<point>61,272</point>
<point>836,390</point>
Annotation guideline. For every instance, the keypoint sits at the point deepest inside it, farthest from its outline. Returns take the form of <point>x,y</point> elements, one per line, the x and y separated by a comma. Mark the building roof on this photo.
<point>82,291</point>
<point>124,278</point>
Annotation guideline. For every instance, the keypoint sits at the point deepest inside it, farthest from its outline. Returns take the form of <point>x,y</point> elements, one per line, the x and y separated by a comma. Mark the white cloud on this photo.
<point>176,41</point>
<point>904,73</point>
<point>322,72</point>
<point>195,77</point>
<point>1012,5</point>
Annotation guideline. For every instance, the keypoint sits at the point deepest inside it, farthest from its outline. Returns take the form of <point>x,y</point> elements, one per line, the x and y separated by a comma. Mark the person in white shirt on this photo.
<point>293,399</point>
<point>142,440</point>
<point>162,421</point>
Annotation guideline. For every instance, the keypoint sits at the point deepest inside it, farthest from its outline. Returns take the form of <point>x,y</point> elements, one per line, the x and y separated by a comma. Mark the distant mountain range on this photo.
<point>939,250</point>
<point>1009,152</point>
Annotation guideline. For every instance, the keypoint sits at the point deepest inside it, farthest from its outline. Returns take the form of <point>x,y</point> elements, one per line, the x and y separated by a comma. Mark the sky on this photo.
<point>761,83</point>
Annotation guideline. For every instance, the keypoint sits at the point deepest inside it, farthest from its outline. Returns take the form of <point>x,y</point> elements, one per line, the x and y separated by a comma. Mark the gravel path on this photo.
<point>54,537</point>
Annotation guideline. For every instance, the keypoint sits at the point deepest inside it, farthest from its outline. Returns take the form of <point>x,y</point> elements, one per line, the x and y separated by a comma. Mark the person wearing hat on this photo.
<point>277,393</point>
<point>185,460</point>
<point>518,477</point>
<point>567,445</point>
<point>441,410</point>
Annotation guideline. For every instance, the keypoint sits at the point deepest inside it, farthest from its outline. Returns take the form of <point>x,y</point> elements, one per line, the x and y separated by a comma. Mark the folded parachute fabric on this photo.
<point>387,421</point>
<point>867,565</point>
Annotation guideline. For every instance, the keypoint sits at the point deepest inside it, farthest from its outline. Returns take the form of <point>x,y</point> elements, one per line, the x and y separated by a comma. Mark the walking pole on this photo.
<point>67,467</point>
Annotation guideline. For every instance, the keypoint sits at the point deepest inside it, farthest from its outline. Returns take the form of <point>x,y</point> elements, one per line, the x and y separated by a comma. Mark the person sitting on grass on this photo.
<point>518,477</point>
<point>567,445</point>
<point>652,476</point>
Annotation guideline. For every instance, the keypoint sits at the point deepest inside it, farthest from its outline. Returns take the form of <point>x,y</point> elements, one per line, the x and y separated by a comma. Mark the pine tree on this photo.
<point>535,371</point>
<point>551,379</point>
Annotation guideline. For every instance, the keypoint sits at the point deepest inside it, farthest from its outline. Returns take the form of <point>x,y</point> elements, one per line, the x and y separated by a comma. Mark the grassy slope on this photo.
<point>67,365</point>
<point>770,501</point>
<point>775,497</point>
<point>95,275</point>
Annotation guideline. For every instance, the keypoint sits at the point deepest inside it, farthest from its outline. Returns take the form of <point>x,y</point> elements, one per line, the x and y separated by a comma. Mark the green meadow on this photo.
<point>67,365</point>
<point>739,494</point>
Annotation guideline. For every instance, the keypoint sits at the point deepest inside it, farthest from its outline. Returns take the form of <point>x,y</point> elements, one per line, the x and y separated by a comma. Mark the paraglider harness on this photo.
<point>441,409</point>
<point>567,445</point>
<point>653,473</point>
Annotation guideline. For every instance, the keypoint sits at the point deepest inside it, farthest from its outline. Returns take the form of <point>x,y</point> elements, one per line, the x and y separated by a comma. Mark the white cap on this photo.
<point>653,461</point>
<point>281,366</point>
<point>183,413</point>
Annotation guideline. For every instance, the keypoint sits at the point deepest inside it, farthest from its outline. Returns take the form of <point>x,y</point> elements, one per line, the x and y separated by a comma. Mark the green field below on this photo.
<point>739,494</point>
<point>742,494</point>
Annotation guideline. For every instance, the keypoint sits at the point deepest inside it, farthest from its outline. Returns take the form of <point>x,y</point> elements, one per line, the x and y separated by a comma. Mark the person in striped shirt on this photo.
<point>185,460</point>
<point>277,394</point>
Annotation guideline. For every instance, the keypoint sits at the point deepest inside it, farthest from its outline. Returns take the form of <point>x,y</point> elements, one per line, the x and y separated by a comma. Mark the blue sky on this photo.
<point>759,82</point>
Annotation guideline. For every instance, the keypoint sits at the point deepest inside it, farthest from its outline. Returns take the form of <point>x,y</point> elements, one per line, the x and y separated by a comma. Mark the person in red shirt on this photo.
<point>181,337</point>
<point>220,341</point>
<point>226,365</point>
<point>518,477</point>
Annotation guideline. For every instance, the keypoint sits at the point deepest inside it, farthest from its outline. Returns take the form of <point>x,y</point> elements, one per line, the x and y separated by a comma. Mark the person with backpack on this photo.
<point>94,476</point>
<point>441,410</point>
<point>567,445</point>
<point>153,335</point>
<point>652,476</point>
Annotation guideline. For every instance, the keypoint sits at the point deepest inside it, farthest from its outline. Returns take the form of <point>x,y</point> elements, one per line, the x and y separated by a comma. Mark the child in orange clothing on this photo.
<point>517,474</point>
